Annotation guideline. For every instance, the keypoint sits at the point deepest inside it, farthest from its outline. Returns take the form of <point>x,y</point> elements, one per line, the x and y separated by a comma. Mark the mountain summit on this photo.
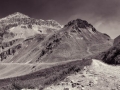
<point>15,15</point>
<point>18,18</point>
<point>87,31</point>
<point>23,26</point>
<point>79,23</point>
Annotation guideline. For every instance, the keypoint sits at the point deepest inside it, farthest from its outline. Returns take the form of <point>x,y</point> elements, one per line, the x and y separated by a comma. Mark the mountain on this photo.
<point>18,29</point>
<point>78,39</point>
<point>15,15</point>
<point>20,25</point>
<point>19,18</point>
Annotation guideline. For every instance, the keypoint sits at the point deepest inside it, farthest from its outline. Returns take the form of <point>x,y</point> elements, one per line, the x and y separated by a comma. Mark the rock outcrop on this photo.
<point>16,29</point>
<point>10,51</point>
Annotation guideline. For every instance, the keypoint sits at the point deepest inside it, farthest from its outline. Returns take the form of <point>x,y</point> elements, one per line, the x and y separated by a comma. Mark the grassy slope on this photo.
<point>43,77</point>
<point>18,69</point>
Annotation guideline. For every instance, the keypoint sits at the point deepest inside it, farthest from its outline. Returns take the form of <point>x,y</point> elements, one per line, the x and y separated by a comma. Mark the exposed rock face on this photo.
<point>111,56</point>
<point>87,31</point>
<point>13,50</point>
<point>10,48</point>
<point>16,29</point>
<point>10,51</point>
<point>19,18</point>
<point>18,25</point>
<point>10,43</point>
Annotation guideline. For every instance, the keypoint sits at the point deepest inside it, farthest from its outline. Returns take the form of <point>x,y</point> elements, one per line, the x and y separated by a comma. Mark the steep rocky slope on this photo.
<point>17,29</point>
<point>15,47</point>
<point>78,39</point>
<point>18,25</point>
<point>112,55</point>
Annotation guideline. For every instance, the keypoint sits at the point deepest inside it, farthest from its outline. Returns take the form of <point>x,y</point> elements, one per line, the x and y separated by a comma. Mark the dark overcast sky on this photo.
<point>103,14</point>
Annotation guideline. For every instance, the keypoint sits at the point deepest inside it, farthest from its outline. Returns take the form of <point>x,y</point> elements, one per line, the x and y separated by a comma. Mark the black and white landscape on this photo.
<point>59,45</point>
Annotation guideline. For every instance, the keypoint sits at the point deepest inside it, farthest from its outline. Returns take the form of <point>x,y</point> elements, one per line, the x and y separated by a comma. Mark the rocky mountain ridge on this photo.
<point>18,23</point>
<point>19,18</point>
<point>77,39</point>
<point>17,28</point>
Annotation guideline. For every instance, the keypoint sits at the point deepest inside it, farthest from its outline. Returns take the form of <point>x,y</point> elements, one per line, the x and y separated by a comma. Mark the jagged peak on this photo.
<point>55,22</point>
<point>15,15</point>
<point>18,15</point>
<point>80,23</point>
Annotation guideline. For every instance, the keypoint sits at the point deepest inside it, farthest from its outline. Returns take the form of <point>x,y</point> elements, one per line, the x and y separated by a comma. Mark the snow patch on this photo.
<point>81,38</point>
<point>90,29</point>
<point>11,29</point>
